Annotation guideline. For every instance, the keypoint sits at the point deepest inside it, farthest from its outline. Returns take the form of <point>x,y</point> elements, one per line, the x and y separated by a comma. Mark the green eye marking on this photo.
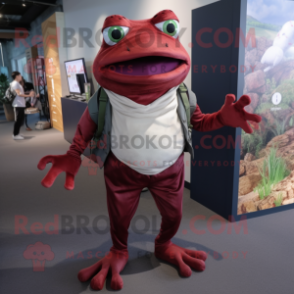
<point>170,27</point>
<point>116,33</point>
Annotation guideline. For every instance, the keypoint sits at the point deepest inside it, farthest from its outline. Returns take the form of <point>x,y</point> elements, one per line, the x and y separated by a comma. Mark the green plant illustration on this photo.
<point>253,143</point>
<point>291,122</point>
<point>271,86</point>
<point>278,128</point>
<point>279,200</point>
<point>273,171</point>
<point>287,89</point>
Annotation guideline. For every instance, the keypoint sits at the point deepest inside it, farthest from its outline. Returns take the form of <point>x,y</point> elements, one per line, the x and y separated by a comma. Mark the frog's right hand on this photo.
<point>60,163</point>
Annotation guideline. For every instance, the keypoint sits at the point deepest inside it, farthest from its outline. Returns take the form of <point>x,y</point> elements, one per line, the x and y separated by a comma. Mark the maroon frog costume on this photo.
<point>122,67</point>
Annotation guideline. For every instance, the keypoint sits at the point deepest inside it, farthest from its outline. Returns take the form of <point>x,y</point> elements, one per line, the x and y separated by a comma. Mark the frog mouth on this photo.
<point>146,66</point>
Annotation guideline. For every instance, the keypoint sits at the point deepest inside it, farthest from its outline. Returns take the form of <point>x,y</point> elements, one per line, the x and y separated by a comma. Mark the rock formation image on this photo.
<point>266,176</point>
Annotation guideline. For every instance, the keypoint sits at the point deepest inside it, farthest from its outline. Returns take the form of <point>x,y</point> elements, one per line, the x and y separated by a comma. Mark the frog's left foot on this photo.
<point>184,259</point>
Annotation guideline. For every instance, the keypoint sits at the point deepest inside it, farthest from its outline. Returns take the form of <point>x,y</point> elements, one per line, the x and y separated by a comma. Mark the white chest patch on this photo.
<point>147,138</point>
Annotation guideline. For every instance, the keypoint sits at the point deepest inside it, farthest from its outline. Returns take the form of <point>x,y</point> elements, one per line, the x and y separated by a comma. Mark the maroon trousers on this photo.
<point>124,186</point>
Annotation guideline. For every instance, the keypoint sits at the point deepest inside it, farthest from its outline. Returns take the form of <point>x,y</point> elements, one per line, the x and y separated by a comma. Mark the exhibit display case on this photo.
<point>242,49</point>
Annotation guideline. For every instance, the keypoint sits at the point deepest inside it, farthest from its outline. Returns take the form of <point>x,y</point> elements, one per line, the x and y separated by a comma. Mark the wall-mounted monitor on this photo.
<point>76,75</point>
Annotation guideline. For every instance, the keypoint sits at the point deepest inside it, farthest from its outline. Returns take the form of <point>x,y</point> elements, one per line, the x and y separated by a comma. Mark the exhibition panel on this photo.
<point>214,59</point>
<point>266,177</point>
<point>236,52</point>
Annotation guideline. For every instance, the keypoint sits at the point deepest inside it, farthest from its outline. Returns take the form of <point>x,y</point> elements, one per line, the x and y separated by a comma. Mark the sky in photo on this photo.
<point>271,11</point>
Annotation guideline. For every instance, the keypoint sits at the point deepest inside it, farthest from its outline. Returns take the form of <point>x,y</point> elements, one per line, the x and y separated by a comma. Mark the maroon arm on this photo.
<point>231,114</point>
<point>84,133</point>
<point>205,122</point>
<point>71,161</point>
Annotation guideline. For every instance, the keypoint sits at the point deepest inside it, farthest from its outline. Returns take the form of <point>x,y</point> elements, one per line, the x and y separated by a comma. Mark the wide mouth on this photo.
<point>146,66</point>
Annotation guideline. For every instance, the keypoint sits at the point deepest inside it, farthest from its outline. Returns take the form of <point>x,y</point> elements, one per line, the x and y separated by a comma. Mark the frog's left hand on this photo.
<point>234,115</point>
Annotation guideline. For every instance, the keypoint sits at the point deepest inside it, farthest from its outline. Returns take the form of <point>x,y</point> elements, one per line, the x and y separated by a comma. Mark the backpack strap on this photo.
<point>192,100</point>
<point>93,106</point>
<point>102,102</point>
<point>189,101</point>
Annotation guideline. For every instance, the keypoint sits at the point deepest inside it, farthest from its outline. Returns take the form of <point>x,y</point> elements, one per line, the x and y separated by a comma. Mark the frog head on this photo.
<point>141,59</point>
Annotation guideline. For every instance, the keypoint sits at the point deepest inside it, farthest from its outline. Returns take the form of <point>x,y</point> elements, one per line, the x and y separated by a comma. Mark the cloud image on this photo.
<point>271,11</point>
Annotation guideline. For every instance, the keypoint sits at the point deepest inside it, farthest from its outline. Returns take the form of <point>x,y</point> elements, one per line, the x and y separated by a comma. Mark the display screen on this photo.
<point>76,75</point>
<point>266,179</point>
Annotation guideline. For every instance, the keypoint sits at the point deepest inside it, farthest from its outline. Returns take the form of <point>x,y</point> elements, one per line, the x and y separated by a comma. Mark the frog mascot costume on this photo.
<point>143,114</point>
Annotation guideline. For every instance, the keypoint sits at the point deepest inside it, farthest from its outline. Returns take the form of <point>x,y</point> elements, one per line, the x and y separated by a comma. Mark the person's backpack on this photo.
<point>188,98</point>
<point>9,96</point>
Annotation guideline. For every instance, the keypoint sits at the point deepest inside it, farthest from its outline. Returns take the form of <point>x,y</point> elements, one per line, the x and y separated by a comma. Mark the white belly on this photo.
<point>148,139</point>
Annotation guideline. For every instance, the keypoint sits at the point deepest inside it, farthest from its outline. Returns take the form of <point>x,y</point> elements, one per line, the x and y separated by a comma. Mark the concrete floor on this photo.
<point>258,261</point>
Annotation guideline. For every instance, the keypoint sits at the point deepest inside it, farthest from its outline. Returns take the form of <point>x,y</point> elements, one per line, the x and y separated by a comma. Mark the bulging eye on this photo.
<point>170,27</point>
<point>112,35</point>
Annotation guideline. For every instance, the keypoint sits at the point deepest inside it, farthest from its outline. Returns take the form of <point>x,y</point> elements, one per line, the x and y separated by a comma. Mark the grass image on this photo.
<point>279,128</point>
<point>273,171</point>
<point>287,88</point>
<point>253,143</point>
<point>279,200</point>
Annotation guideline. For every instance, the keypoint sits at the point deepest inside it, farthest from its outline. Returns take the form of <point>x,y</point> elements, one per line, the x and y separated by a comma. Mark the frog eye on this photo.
<point>170,27</point>
<point>112,35</point>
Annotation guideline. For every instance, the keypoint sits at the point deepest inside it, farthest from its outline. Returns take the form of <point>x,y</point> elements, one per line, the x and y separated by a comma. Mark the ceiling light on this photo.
<point>0,15</point>
<point>23,4</point>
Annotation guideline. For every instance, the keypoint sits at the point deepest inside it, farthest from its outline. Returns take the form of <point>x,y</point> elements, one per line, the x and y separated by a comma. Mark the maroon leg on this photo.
<point>124,187</point>
<point>167,189</point>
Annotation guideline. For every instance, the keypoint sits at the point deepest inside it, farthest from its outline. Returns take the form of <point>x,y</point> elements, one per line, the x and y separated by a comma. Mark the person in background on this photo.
<point>19,104</point>
<point>30,101</point>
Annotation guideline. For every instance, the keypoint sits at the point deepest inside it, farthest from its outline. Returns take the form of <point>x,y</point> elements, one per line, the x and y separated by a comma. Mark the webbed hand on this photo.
<point>60,163</point>
<point>234,115</point>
